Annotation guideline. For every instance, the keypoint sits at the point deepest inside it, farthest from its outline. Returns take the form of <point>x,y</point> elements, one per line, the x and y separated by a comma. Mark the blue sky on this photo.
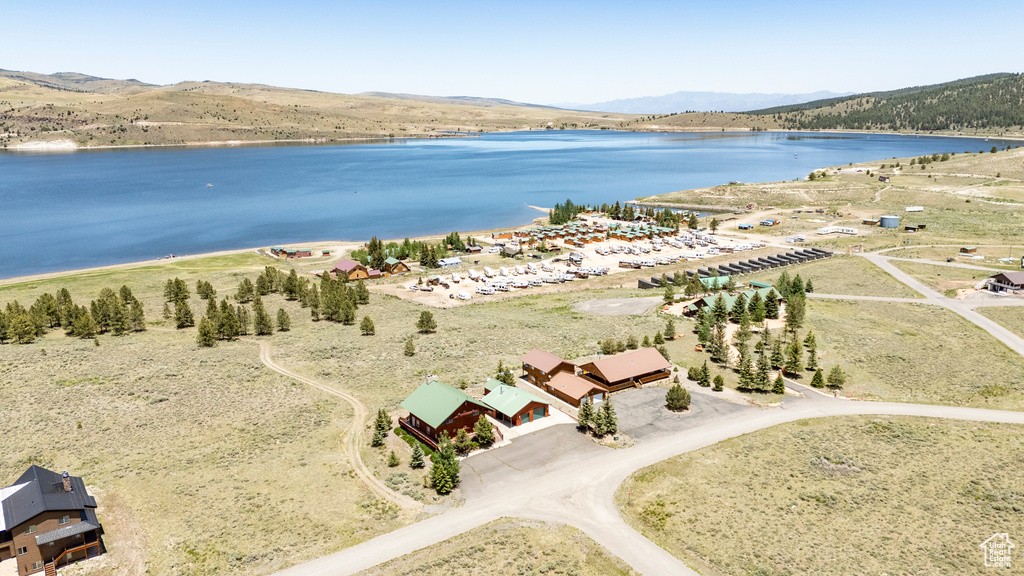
<point>543,52</point>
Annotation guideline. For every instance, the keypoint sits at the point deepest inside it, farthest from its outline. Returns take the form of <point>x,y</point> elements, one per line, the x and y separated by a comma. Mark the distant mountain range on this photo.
<point>701,102</point>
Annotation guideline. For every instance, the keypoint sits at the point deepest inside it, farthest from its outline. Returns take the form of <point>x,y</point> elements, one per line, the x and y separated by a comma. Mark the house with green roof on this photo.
<point>730,299</point>
<point>513,406</point>
<point>393,266</point>
<point>436,409</point>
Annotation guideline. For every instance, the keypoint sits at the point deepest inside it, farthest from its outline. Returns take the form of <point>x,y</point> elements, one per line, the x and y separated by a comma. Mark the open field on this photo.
<point>203,460</point>
<point>848,275</point>
<point>915,353</point>
<point>851,495</point>
<point>509,546</point>
<point>1011,317</point>
<point>990,255</point>
<point>198,112</point>
<point>942,278</point>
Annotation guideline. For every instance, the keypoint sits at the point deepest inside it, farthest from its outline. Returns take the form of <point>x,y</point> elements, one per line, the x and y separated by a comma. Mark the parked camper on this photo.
<point>456,278</point>
<point>503,271</point>
<point>485,290</point>
<point>488,272</point>
<point>520,270</point>
<point>464,295</point>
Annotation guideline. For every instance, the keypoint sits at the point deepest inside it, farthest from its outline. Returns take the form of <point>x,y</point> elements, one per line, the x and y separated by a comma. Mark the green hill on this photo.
<point>990,102</point>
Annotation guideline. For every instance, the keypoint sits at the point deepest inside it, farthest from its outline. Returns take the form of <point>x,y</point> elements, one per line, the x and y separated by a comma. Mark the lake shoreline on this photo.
<point>63,146</point>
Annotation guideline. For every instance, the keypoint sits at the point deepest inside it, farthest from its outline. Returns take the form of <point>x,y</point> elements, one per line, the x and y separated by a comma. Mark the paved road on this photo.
<point>580,490</point>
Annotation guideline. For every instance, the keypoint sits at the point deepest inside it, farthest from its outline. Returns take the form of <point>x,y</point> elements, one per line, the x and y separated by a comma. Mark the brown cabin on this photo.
<point>436,409</point>
<point>574,390</point>
<point>47,520</point>
<point>351,269</point>
<point>627,370</point>
<point>539,366</point>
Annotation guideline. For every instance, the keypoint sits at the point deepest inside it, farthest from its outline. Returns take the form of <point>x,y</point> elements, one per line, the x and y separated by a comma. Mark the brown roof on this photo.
<point>628,365</point>
<point>572,385</point>
<point>346,265</point>
<point>542,359</point>
<point>1013,277</point>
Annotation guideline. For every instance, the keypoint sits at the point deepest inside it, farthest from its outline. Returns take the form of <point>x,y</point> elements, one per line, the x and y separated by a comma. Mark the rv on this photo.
<point>464,295</point>
<point>486,290</point>
<point>474,275</point>
<point>488,272</point>
<point>456,278</point>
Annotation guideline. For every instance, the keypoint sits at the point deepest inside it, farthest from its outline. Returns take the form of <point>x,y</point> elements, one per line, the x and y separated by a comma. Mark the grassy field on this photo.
<point>990,254</point>
<point>204,460</point>
<point>1011,317</point>
<point>853,495</point>
<point>509,546</point>
<point>942,278</point>
<point>915,353</point>
<point>849,275</point>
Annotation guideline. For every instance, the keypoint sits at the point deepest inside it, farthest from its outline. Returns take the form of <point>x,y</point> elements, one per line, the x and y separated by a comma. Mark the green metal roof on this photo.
<point>709,282</point>
<point>434,402</point>
<point>391,260</point>
<point>509,400</point>
<point>757,284</point>
<point>730,299</point>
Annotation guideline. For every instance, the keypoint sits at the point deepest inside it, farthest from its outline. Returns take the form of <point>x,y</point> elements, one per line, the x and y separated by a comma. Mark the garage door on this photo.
<point>524,418</point>
<point>538,413</point>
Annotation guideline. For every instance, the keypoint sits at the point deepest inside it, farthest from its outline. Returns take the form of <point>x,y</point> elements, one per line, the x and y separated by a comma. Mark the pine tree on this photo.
<point>796,286</point>
<point>631,343</point>
<point>245,290</point>
<point>658,339</point>
<point>795,310</point>
<point>207,334</point>
<point>426,323</point>
<point>777,358</point>
<point>670,329</point>
<point>284,323</point>
<point>756,308</point>
<point>416,461</point>
<point>410,348</point>
<point>663,351</point>
<point>444,472</point>
<point>794,357</point>
<point>810,341</point>
<point>779,387</point>
<point>836,378</point>
<point>314,304</point>
<point>504,374</point>
<point>670,294</point>
<point>362,293</point>
<point>393,460</point>
<point>608,423</point>
<point>739,307</point>
<point>704,329</point>
<point>347,312</point>
<point>746,374</point>
<point>585,415</point>
<point>809,287</point>
<point>167,312</point>
<point>812,358</point>
<point>719,383</point>
<point>719,311</point>
<point>462,443</point>
<point>227,321</point>
<point>262,325</point>
<point>782,285</point>
<point>483,431</point>
<point>771,305</point>
<point>136,316</point>
<point>744,333</point>
<point>183,315</point>
<point>213,312</point>
<point>818,381</point>
<point>705,375</point>
<point>719,349</point>
<point>677,398</point>
<point>762,376</point>
<point>366,326</point>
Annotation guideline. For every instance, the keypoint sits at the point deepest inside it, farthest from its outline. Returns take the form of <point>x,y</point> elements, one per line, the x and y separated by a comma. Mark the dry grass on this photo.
<point>852,495</point>
<point>915,353</point>
<point>1010,317</point>
<point>942,278</point>
<point>509,546</point>
<point>192,112</point>
<point>848,275</point>
<point>990,255</point>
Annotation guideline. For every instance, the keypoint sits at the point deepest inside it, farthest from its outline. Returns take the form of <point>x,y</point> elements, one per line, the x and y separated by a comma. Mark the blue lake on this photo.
<point>93,208</point>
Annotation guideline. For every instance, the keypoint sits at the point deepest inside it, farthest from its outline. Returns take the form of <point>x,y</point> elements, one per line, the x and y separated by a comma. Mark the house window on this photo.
<point>65,519</point>
<point>37,565</point>
<point>22,551</point>
<point>30,529</point>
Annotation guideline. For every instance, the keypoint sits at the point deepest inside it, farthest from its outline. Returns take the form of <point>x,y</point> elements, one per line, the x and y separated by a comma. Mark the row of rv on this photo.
<point>748,266</point>
<point>506,284</point>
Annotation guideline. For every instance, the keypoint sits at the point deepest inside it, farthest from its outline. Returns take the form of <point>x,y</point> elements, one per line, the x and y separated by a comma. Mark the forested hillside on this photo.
<point>991,102</point>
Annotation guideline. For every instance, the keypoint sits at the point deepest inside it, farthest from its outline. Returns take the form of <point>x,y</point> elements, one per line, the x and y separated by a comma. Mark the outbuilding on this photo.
<point>452,262</point>
<point>514,406</point>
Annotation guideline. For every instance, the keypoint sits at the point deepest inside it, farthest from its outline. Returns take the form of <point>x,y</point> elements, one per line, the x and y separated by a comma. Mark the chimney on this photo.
<point>67,481</point>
